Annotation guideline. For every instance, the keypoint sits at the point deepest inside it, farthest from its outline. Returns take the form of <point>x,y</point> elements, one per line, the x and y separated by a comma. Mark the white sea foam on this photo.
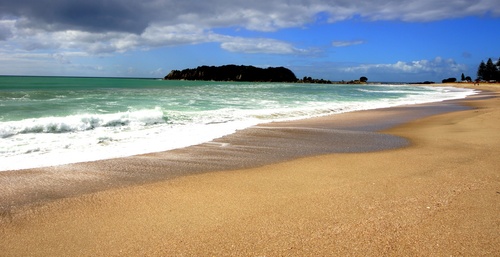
<point>35,150</point>
<point>78,123</point>
<point>52,141</point>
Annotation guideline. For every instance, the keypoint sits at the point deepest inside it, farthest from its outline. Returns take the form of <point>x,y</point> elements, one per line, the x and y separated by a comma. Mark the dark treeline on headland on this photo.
<point>234,73</point>
<point>248,74</point>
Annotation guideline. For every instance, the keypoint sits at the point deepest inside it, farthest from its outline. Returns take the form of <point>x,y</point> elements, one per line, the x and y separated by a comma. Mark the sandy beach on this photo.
<point>427,184</point>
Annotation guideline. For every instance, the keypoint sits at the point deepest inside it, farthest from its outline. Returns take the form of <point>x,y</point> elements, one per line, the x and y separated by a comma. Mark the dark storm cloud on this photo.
<point>88,15</point>
<point>135,16</point>
<point>5,32</point>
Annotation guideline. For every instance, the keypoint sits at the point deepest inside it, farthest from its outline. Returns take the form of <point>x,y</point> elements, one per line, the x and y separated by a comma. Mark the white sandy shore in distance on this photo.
<point>439,196</point>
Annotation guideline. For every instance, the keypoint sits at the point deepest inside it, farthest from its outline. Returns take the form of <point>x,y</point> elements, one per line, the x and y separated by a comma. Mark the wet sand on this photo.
<point>324,186</point>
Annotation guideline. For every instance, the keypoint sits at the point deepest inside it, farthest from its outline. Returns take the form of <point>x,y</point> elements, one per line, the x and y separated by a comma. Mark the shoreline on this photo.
<point>94,142</point>
<point>438,195</point>
<point>256,146</point>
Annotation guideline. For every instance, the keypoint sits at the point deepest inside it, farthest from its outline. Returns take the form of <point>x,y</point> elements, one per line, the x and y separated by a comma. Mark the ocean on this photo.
<point>46,121</point>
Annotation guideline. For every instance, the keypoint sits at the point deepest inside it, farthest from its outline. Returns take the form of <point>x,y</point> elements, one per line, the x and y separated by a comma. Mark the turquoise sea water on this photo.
<point>55,120</point>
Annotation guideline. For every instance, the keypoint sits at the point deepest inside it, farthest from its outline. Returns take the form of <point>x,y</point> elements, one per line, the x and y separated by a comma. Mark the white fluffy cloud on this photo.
<point>437,66</point>
<point>153,36</point>
<point>347,43</point>
<point>260,45</point>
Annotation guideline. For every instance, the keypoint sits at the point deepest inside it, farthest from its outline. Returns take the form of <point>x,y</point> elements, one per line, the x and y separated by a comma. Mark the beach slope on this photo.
<point>439,196</point>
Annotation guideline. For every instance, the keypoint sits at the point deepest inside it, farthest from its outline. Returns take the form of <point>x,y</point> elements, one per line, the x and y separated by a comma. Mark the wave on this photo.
<point>105,134</point>
<point>82,122</point>
<point>390,91</point>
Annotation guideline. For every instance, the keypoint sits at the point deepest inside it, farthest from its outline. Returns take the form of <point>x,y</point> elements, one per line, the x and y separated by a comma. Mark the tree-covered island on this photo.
<point>246,73</point>
<point>234,73</point>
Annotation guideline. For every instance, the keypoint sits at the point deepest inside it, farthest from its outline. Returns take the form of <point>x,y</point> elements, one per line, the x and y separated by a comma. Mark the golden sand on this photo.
<point>438,197</point>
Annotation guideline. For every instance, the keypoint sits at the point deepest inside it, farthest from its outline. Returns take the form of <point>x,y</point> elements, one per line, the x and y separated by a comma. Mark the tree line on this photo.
<point>489,71</point>
<point>234,73</point>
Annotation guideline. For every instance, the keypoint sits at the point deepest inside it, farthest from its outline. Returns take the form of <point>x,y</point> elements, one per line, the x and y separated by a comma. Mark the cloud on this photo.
<point>154,36</point>
<point>436,66</point>
<point>135,16</point>
<point>158,72</point>
<point>260,45</point>
<point>347,43</point>
<point>105,26</point>
<point>30,63</point>
<point>61,58</point>
<point>89,15</point>
<point>171,35</point>
<point>423,10</point>
<point>6,29</point>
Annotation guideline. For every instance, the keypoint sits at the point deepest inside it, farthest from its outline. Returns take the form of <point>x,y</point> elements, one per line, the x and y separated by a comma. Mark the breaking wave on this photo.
<point>83,122</point>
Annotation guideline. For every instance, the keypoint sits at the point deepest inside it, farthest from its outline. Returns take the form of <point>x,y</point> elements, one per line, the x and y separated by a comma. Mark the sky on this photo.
<point>383,40</point>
